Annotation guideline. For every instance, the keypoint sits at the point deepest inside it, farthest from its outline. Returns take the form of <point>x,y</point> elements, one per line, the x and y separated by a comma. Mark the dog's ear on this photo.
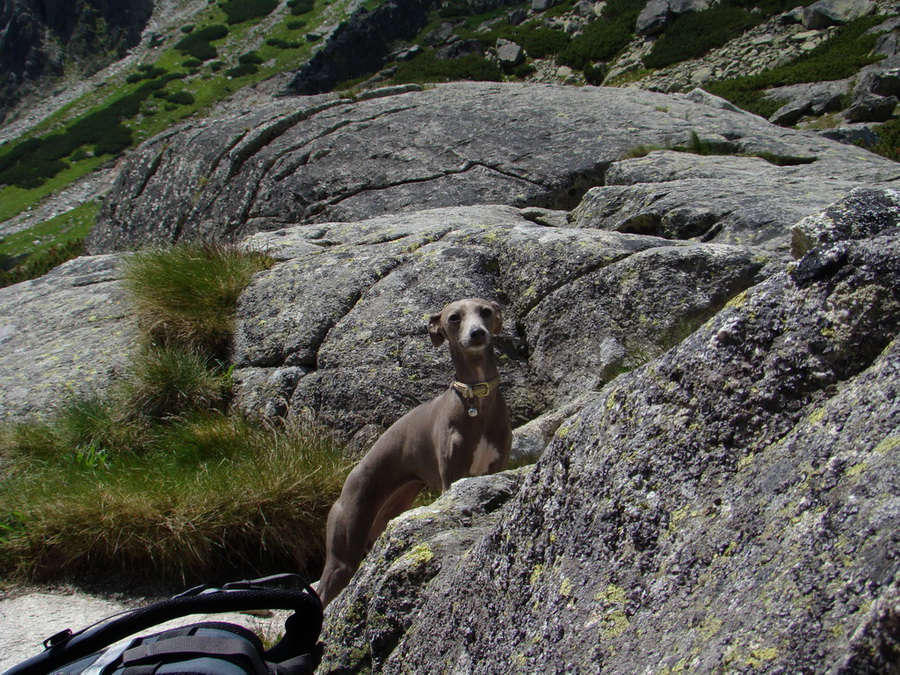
<point>435,331</point>
<point>498,318</point>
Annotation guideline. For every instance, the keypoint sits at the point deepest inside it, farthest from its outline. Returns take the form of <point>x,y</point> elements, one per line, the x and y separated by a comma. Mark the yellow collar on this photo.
<point>477,390</point>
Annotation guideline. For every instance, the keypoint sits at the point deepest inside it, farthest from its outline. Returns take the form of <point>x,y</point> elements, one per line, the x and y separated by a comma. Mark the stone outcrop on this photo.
<point>321,159</point>
<point>731,505</point>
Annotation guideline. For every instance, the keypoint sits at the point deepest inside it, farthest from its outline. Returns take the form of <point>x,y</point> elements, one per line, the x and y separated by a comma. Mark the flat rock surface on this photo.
<point>61,334</point>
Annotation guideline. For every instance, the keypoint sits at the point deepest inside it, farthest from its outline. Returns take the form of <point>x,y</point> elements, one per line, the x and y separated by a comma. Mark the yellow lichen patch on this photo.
<point>710,627</point>
<point>762,655</point>
<point>737,301</point>
<point>419,555</point>
<point>856,469</point>
<point>565,588</point>
<point>536,574</point>
<point>817,416</point>
<point>888,444</point>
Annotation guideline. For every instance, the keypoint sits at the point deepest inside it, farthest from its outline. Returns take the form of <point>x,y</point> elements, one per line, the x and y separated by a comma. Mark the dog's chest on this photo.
<point>485,454</point>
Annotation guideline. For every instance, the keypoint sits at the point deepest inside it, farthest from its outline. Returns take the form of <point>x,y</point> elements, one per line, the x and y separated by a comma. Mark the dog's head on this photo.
<point>469,323</point>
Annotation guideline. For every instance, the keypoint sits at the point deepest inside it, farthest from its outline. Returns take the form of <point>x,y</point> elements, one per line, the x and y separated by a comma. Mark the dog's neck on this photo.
<point>474,367</point>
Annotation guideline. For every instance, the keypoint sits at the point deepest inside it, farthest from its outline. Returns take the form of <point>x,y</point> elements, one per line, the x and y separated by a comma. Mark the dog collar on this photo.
<point>477,390</point>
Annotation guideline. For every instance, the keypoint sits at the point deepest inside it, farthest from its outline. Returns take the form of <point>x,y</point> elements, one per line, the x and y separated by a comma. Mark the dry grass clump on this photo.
<point>210,497</point>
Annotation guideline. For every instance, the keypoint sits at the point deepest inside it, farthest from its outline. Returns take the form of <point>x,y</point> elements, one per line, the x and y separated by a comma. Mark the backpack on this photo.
<point>205,648</point>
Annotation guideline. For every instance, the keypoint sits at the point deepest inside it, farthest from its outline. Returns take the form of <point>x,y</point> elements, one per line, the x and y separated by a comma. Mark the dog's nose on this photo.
<point>478,333</point>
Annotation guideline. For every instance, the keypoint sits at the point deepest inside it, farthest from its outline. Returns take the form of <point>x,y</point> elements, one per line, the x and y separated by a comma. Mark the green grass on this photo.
<point>30,253</point>
<point>209,497</point>
<point>185,294</point>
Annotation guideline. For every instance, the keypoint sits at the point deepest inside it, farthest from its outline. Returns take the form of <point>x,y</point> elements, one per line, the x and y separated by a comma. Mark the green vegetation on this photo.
<point>100,125</point>
<point>606,37</point>
<point>693,34</point>
<point>427,67</point>
<point>848,50</point>
<point>185,295</point>
<point>35,251</point>
<point>239,11</point>
<point>300,7</point>
<point>889,140</point>
<point>207,496</point>
<point>198,44</point>
<point>153,480</point>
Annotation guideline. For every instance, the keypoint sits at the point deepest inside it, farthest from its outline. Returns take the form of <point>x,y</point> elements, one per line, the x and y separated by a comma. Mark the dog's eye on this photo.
<point>486,312</point>
<point>454,318</point>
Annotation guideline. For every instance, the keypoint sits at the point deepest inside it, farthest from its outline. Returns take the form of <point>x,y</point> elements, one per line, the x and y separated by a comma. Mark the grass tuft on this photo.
<point>186,294</point>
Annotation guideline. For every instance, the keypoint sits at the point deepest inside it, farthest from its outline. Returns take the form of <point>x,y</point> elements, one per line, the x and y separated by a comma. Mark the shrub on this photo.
<point>426,67</point>
<point>186,294</point>
<point>145,74</point>
<point>301,7</point>
<point>603,39</point>
<point>250,57</point>
<point>242,69</point>
<point>239,11</point>
<point>283,44</point>
<point>537,41</point>
<point>595,74</point>
<point>181,98</point>
<point>197,47</point>
<point>212,33</point>
<point>888,140</point>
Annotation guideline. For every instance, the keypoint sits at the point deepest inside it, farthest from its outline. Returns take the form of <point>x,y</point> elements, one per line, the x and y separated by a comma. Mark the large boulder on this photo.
<point>658,14</point>
<point>339,324</point>
<point>730,506</point>
<point>825,13</point>
<point>319,159</point>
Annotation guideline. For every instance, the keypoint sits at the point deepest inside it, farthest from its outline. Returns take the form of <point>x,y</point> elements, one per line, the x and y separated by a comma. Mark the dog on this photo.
<point>463,432</point>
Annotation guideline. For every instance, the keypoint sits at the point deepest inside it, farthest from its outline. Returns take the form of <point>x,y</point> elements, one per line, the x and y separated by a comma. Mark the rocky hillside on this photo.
<point>42,40</point>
